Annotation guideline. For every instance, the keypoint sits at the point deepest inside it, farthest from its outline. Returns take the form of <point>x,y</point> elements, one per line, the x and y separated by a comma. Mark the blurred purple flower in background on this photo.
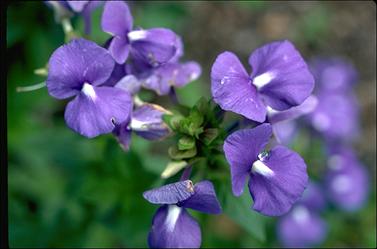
<point>277,178</point>
<point>347,182</point>
<point>153,46</point>
<point>280,79</point>
<point>337,114</point>
<point>302,226</point>
<point>172,225</point>
<point>333,74</point>
<point>78,69</point>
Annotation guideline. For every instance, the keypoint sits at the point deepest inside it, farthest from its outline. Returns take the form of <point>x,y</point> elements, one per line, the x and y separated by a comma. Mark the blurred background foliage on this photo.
<point>69,191</point>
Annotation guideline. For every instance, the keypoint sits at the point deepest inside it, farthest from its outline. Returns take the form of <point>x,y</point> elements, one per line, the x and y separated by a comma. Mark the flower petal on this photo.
<point>231,88</point>
<point>276,192</point>
<point>306,107</point>
<point>119,49</point>
<point>170,193</point>
<point>301,228</point>
<point>174,227</point>
<point>281,75</point>
<point>188,72</point>
<point>93,112</point>
<point>117,74</point>
<point>129,83</point>
<point>123,135</point>
<point>147,122</point>
<point>116,18</point>
<point>153,46</point>
<point>80,61</point>
<point>204,199</point>
<point>241,149</point>
<point>77,6</point>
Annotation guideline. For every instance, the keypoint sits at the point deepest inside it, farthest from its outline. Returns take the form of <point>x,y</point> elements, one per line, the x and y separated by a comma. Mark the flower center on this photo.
<point>88,90</point>
<point>260,167</point>
<point>263,79</point>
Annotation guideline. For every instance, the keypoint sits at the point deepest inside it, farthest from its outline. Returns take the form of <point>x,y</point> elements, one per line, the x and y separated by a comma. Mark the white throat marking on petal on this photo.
<point>262,169</point>
<point>271,111</point>
<point>137,35</point>
<point>88,90</point>
<point>300,214</point>
<point>263,79</point>
<point>172,217</point>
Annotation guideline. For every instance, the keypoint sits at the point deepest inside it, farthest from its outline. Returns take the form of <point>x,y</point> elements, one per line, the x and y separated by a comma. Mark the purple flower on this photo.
<point>277,177</point>
<point>172,225</point>
<point>169,75</point>
<point>333,74</point>
<point>313,197</point>
<point>336,115</point>
<point>78,69</point>
<point>153,46</point>
<point>162,78</point>
<point>146,121</point>
<point>280,79</point>
<point>347,183</point>
<point>301,227</point>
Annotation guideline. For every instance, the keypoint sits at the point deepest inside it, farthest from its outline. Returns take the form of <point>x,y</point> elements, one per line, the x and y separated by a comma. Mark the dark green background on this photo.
<point>66,190</point>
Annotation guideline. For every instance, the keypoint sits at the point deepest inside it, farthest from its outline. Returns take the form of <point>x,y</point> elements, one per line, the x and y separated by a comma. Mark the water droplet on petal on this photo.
<point>263,156</point>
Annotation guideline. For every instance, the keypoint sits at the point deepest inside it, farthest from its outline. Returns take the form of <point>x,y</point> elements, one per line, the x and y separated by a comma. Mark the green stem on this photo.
<point>31,88</point>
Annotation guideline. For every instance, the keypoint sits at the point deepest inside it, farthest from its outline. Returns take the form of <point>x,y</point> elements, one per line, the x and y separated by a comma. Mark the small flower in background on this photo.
<point>163,78</point>
<point>302,226</point>
<point>153,46</point>
<point>333,74</point>
<point>336,116</point>
<point>347,182</point>
<point>172,225</point>
<point>146,121</point>
<point>79,69</point>
<point>277,178</point>
<point>280,80</point>
<point>85,8</point>
<point>337,113</point>
<point>64,9</point>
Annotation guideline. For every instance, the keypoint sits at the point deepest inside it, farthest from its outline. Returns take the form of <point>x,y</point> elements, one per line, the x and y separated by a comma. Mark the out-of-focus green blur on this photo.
<point>69,191</point>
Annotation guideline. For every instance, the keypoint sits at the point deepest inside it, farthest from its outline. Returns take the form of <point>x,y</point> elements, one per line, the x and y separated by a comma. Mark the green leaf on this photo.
<point>195,118</point>
<point>186,142</point>
<point>202,105</point>
<point>177,154</point>
<point>209,135</point>
<point>239,210</point>
<point>173,121</point>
